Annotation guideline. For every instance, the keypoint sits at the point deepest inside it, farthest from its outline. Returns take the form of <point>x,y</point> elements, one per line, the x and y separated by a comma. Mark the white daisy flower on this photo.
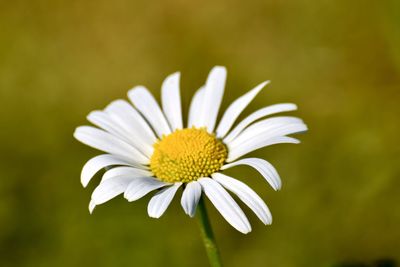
<point>148,148</point>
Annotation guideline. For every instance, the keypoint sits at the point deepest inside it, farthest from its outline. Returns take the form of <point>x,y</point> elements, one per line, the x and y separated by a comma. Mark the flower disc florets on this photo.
<point>187,155</point>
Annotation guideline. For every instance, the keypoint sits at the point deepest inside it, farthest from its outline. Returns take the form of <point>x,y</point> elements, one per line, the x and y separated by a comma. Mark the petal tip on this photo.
<point>172,78</point>
<point>84,183</point>
<point>246,231</point>
<point>154,216</point>
<point>219,68</point>
<point>263,84</point>
<point>136,90</point>
<point>175,75</point>
<point>92,206</point>
<point>278,188</point>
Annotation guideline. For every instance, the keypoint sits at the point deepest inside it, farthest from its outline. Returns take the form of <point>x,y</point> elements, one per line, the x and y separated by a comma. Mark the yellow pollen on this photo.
<point>187,155</point>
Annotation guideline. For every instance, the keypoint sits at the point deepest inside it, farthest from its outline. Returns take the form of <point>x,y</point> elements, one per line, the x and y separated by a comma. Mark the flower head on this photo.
<point>148,148</point>
<point>187,155</point>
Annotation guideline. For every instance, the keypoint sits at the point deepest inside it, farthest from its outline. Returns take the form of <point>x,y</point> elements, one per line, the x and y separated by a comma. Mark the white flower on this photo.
<point>148,148</point>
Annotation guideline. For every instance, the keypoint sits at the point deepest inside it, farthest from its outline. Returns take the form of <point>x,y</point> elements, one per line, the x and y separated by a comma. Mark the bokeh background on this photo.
<point>338,60</point>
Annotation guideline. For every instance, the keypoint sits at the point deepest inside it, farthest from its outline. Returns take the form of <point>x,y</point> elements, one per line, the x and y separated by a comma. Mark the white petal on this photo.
<point>234,110</point>
<point>160,201</point>
<point>190,198</point>
<point>247,195</point>
<point>126,171</point>
<point>110,188</point>
<point>97,163</point>
<point>214,90</point>
<point>129,118</point>
<point>104,141</point>
<point>263,167</point>
<point>148,106</point>
<point>255,144</point>
<point>195,106</point>
<point>258,115</point>
<point>225,204</point>
<point>104,121</point>
<point>92,205</point>
<point>139,187</point>
<point>268,128</point>
<point>267,135</point>
<point>171,101</point>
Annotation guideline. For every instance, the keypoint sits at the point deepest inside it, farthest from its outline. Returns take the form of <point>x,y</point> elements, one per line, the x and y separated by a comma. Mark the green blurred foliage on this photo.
<point>338,60</point>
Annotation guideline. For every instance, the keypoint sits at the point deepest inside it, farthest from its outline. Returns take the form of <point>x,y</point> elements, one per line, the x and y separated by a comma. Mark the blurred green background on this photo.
<point>338,60</point>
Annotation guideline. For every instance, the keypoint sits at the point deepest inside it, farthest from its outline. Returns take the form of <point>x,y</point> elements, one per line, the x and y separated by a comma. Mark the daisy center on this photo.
<point>187,155</point>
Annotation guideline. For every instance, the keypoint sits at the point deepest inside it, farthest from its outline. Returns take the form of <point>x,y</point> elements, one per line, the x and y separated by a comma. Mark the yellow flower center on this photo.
<point>187,155</point>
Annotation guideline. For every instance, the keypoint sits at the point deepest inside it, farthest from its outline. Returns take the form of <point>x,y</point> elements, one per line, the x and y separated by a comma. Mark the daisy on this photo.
<point>149,148</point>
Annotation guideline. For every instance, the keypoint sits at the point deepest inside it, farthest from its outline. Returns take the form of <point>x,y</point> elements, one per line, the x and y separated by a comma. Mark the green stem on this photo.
<point>207,234</point>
